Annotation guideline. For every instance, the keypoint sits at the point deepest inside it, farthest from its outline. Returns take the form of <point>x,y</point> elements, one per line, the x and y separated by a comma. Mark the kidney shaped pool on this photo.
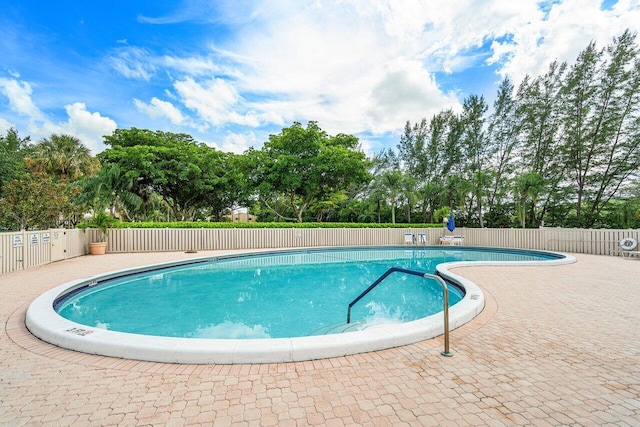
<point>266,307</point>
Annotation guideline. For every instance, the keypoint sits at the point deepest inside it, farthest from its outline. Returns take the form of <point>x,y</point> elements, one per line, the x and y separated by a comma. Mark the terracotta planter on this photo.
<point>98,248</point>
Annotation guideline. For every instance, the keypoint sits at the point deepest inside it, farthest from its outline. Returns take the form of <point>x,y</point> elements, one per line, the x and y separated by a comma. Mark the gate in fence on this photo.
<point>25,249</point>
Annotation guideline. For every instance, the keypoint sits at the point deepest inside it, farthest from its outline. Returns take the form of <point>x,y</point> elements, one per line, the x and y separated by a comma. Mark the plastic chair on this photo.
<point>422,238</point>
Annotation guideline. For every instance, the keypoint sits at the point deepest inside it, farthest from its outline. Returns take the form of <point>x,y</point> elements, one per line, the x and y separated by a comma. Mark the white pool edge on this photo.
<point>43,322</point>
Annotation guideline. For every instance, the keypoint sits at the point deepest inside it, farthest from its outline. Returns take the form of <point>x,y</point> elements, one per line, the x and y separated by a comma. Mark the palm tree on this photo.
<point>390,186</point>
<point>526,189</point>
<point>64,157</point>
<point>111,188</point>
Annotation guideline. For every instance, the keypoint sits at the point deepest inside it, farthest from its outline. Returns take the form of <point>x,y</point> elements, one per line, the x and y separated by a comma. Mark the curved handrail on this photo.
<point>424,275</point>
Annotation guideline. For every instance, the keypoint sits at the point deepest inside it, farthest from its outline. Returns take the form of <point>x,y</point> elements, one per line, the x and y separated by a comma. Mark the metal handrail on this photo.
<point>424,275</point>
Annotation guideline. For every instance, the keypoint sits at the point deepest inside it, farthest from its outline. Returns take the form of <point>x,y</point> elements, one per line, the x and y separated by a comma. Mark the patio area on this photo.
<point>554,346</point>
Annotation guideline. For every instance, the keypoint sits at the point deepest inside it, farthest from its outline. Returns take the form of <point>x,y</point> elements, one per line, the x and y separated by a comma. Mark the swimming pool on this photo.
<point>116,314</point>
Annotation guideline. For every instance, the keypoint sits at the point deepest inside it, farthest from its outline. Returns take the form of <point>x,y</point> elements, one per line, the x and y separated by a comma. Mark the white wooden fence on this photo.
<point>27,249</point>
<point>601,242</point>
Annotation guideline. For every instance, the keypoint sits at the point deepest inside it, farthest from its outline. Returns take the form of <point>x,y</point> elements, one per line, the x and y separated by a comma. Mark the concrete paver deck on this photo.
<point>554,346</point>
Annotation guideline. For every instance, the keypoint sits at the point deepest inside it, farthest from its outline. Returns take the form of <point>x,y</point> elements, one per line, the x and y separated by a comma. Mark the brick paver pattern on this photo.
<point>554,346</point>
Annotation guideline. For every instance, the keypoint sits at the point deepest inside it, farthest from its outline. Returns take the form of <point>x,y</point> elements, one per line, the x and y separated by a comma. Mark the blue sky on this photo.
<point>232,72</point>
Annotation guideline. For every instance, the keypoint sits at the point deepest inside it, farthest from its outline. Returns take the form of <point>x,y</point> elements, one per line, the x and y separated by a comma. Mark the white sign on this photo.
<point>46,238</point>
<point>34,239</point>
<point>17,240</point>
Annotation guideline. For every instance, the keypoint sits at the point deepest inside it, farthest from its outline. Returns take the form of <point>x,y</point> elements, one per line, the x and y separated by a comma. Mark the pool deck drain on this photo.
<point>555,345</point>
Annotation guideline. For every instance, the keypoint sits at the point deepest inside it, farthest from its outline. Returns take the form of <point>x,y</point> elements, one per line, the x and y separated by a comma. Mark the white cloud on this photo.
<point>362,67</point>
<point>405,92</point>
<point>345,65</point>
<point>19,95</point>
<point>194,66</point>
<point>238,142</point>
<point>212,101</point>
<point>567,30</point>
<point>358,67</point>
<point>160,109</point>
<point>87,126</point>
<point>133,63</point>
<point>217,101</point>
<point>4,126</point>
<point>353,66</point>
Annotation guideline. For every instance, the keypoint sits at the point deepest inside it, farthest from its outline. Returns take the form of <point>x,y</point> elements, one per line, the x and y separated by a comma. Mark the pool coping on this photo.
<point>43,322</point>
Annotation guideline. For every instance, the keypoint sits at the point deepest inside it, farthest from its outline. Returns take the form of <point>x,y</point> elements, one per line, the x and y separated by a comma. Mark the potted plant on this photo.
<point>101,221</point>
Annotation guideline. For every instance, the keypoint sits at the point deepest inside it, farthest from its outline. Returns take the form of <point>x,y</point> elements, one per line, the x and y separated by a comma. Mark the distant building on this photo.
<point>243,217</point>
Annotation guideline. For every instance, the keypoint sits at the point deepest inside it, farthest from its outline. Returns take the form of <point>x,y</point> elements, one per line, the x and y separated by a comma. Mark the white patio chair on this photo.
<point>457,240</point>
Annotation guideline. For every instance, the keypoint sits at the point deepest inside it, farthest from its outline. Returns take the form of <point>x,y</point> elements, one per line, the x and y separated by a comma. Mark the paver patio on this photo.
<point>554,346</point>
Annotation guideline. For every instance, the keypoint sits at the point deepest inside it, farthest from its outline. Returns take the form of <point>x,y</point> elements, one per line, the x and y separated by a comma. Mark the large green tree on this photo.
<point>42,187</point>
<point>37,201</point>
<point>539,128</point>
<point>502,139</point>
<point>305,166</point>
<point>602,122</point>
<point>190,177</point>
<point>476,155</point>
<point>13,151</point>
<point>429,152</point>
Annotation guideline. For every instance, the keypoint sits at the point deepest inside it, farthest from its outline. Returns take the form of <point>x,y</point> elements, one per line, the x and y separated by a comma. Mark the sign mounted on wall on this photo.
<point>34,239</point>
<point>46,238</point>
<point>17,241</point>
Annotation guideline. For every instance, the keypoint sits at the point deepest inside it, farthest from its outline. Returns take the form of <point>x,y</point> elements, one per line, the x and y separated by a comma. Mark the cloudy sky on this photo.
<point>232,72</point>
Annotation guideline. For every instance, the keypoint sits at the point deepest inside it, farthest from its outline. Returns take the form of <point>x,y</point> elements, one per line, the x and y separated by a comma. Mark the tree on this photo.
<point>323,208</point>
<point>229,188</point>
<point>188,176</point>
<point>431,196</point>
<point>429,152</point>
<point>390,184</point>
<point>414,150</point>
<point>111,189</point>
<point>36,201</point>
<point>502,139</point>
<point>539,126</point>
<point>527,188</point>
<point>63,157</point>
<point>476,152</point>
<point>305,166</point>
<point>58,162</point>
<point>602,123</point>
<point>13,151</point>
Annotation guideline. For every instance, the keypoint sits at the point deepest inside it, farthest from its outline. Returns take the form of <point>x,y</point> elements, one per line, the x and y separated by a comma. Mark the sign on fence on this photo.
<point>17,241</point>
<point>15,254</point>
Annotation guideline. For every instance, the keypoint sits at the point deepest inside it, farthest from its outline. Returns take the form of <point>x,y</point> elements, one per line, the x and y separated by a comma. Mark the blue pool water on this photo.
<point>278,295</point>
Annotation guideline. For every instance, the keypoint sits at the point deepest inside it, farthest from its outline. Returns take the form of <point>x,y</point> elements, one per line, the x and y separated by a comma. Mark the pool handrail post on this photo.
<point>435,277</point>
<point>440,280</point>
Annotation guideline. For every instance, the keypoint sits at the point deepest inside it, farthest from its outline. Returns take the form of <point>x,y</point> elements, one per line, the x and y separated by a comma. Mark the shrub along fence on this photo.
<point>27,249</point>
